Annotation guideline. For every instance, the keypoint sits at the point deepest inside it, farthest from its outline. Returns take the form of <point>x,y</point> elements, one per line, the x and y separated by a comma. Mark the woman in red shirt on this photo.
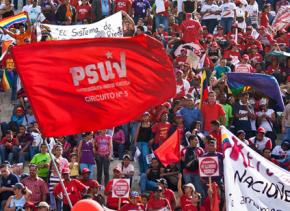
<point>84,11</point>
<point>186,195</point>
<point>264,19</point>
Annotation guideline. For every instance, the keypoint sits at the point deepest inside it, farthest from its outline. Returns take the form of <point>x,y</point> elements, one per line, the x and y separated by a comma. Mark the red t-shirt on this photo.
<point>256,57</point>
<point>218,137</point>
<point>128,207</point>
<point>84,12</point>
<point>12,142</point>
<point>161,132</point>
<point>229,54</point>
<point>157,203</point>
<point>190,30</point>
<point>168,194</point>
<point>73,188</point>
<point>124,5</point>
<point>211,112</point>
<point>191,207</point>
<point>264,20</point>
<point>112,202</point>
<point>185,201</point>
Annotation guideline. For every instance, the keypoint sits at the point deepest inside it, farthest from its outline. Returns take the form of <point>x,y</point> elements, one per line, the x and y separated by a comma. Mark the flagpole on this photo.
<point>58,173</point>
<point>210,188</point>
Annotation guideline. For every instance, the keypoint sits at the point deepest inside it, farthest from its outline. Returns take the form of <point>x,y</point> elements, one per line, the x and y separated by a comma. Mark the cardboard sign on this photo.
<point>121,188</point>
<point>208,166</point>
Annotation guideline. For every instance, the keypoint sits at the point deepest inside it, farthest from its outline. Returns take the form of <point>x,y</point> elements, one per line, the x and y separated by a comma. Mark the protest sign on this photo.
<point>108,27</point>
<point>121,188</point>
<point>208,166</point>
<point>251,181</point>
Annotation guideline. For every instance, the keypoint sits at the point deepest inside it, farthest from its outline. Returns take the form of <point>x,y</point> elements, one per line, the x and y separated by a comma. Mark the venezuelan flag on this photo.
<point>203,88</point>
<point>7,80</point>
<point>7,22</point>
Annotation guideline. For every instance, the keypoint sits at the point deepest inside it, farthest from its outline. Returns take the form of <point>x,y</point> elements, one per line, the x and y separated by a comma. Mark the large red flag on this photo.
<point>89,84</point>
<point>169,151</point>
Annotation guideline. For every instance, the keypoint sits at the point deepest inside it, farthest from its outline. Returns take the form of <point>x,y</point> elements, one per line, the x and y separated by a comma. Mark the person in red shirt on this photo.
<point>186,195</point>
<point>167,193</point>
<point>84,11</point>
<point>216,133</point>
<point>113,203</point>
<point>212,111</point>
<point>8,147</point>
<point>134,203</point>
<point>160,130</point>
<point>191,30</point>
<point>255,57</point>
<point>264,19</point>
<point>123,5</point>
<point>74,189</point>
<point>195,204</point>
<point>91,183</point>
<point>158,201</point>
<point>244,66</point>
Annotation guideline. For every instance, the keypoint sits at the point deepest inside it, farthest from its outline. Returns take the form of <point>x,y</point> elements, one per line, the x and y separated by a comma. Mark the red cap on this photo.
<point>188,16</point>
<point>65,171</point>
<point>86,170</point>
<point>117,168</point>
<point>261,130</point>
<point>19,109</point>
<point>167,105</point>
<point>94,183</point>
<point>246,56</point>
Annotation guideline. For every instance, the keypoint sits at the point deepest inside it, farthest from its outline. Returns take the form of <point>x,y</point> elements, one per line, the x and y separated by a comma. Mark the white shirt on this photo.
<point>37,139</point>
<point>280,152</point>
<point>228,10</point>
<point>260,145</point>
<point>184,87</point>
<point>212,8</point>
<point>126,170</point>
<point>253,12</point>
<point>265,123</point>
<point>34,13</point>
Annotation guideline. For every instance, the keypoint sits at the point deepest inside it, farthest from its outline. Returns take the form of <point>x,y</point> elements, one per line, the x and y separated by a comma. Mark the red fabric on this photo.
<point>156,204</point>
<point>124,5</point>
<point>71,100</point>
<point>191,207</point>
<point>128,207</point>
<point>190,30</point>
<point>73,188</point>
<point>264,20</point>
<point>84,12</point>
<point>169,151</point>
<point>161,131</point>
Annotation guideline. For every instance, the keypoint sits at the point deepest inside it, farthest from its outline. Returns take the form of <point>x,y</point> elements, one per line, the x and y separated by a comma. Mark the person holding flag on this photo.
<point>24,36</point>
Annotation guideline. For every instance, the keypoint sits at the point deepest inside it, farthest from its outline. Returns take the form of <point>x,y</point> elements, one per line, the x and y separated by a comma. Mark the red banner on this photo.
<point>83,85</point>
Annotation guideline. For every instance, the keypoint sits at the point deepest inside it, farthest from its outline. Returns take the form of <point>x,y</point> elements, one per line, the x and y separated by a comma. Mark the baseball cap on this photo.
<point>95,184</point>
<point>86,170</point>
<point>117,168</point>
<point>214,44</point>
<point>19,109</point>
<point>190,185</point>
<point>134,194</point>
<point>261,130</point>
<point>241,132</point>
<point>65,171</point>
<point>43,204</point>
<point>19,186</point>
<point>127,156</point>
<point>161,26</point>
<point>86,134</point>
<point>162,181</point>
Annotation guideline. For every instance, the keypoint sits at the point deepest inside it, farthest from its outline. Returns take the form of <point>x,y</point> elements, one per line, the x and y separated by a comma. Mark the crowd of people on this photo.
<point>230,37</point>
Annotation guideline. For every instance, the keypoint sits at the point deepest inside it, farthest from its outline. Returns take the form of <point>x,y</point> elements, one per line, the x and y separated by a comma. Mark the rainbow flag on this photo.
<point>7,22</point>
<point>7,80</point>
